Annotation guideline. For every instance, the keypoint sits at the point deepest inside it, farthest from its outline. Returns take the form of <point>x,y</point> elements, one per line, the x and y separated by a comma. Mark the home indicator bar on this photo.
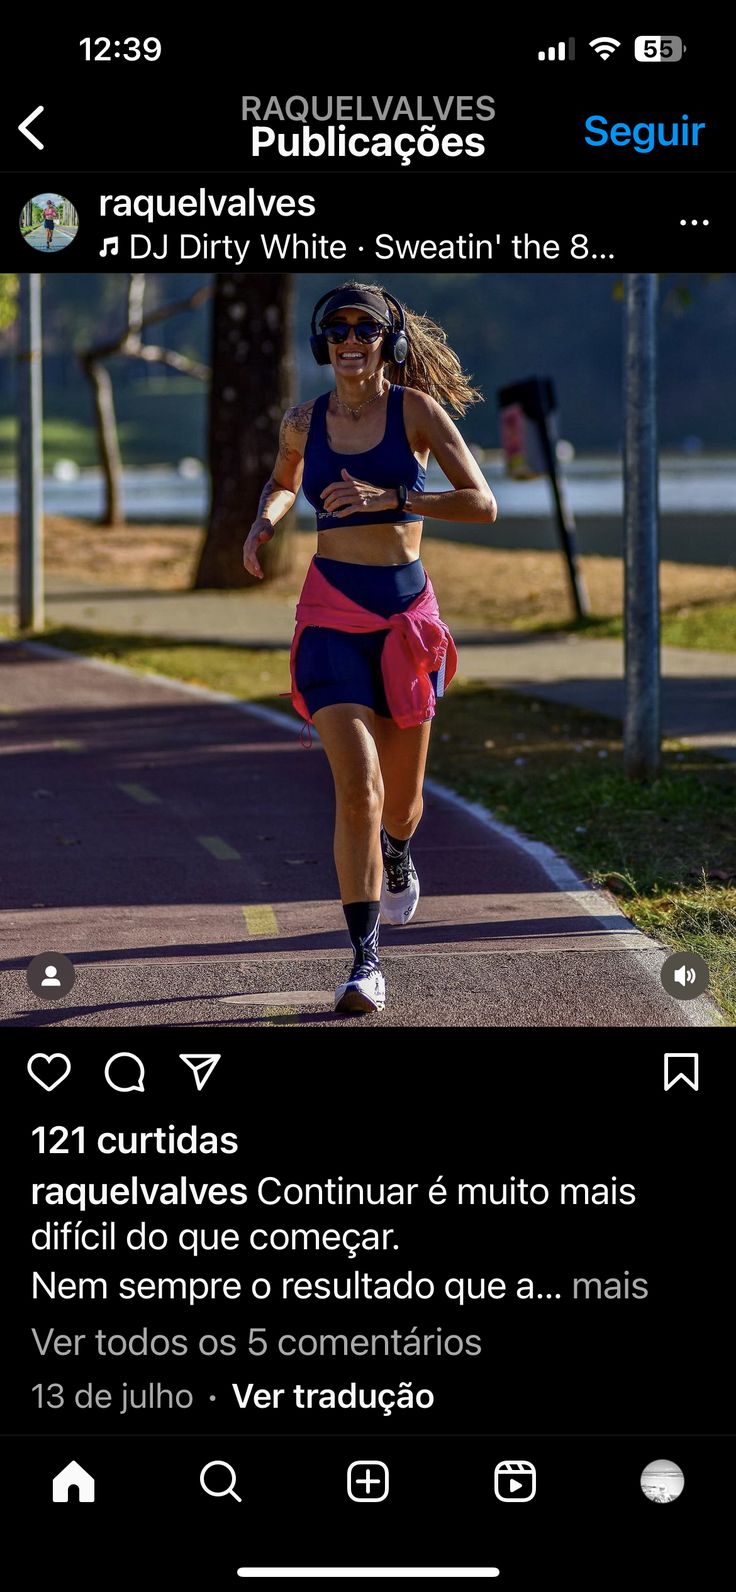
<point>376,1573</point>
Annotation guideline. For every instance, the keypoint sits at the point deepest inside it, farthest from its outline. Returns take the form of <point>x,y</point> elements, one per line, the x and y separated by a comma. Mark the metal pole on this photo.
<point>565,523</point>
<point>30,457</point>
<point>537,400</point>
<point>641,530</point>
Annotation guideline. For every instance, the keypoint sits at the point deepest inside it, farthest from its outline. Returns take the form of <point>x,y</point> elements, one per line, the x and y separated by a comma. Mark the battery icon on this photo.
<point>655,47</point>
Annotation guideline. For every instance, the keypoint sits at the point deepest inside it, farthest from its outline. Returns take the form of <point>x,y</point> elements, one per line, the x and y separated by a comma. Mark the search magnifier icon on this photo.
<point>220,1492</point>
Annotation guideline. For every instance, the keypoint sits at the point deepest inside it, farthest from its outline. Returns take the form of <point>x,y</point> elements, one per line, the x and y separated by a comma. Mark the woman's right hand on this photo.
<point>261,531</point>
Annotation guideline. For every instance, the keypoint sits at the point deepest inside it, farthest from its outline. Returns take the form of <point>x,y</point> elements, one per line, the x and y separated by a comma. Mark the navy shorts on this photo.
<point>337,666</point>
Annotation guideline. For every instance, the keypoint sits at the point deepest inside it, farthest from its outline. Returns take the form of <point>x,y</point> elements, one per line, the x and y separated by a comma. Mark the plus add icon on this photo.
<point>368,1481</point>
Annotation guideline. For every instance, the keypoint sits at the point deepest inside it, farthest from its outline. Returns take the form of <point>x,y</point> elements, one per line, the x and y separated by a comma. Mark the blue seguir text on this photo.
<point>645,136</point>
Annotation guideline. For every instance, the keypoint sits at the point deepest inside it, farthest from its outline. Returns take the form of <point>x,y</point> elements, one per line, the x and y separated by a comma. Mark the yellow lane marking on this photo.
<point>261,921</point>
<point>219,848</point>
<point>140,793</point>
<point>277,1017</point>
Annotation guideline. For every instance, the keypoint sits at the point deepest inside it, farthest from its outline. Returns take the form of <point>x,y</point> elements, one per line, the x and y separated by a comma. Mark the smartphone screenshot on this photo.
<point>368,673</point>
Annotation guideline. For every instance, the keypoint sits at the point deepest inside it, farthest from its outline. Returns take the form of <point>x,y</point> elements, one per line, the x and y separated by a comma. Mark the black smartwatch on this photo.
<point>402,493</point>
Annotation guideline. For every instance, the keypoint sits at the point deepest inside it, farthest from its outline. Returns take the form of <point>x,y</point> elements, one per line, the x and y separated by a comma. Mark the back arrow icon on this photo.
<point>23,127</point>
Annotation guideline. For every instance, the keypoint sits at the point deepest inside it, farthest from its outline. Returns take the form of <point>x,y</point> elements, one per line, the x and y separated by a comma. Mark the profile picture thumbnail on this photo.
<point>49,222</point>
<point>662,1481</point>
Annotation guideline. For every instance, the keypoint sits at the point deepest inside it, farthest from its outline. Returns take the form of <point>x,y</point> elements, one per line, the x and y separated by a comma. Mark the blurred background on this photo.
<point>503,327</point>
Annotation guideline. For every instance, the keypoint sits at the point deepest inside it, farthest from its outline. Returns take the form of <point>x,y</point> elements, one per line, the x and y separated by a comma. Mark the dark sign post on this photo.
<point>30,460</point>
<point>641,555</point>
<point>529,439</point>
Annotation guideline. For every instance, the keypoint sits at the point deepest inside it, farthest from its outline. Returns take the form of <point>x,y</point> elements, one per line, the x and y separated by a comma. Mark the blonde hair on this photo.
<point>431,366</point>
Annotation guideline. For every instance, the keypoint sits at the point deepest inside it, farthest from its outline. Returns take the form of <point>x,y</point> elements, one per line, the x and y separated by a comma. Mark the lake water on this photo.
<point>595,488</point>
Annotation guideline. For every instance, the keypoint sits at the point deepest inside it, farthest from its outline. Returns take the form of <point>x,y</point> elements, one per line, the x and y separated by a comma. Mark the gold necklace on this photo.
<point>356,413</point>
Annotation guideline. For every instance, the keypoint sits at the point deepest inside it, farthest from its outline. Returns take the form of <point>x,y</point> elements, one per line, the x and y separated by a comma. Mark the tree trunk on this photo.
<point>252,386</point>
<point>107,436</point>
<point>130,343</point>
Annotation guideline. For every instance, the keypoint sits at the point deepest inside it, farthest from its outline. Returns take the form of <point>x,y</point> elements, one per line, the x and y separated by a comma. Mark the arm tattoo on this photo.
<point>285,456</point>
<point>296,422</point>
<point>298,418</point>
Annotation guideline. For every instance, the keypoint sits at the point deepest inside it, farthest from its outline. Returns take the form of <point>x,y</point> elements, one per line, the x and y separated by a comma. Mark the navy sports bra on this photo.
<point>386,465</point>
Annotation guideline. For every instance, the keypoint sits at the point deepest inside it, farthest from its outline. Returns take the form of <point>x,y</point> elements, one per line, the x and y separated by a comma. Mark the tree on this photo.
<point>252,386</point>
<point>130,343</point>
<point>8,300</point>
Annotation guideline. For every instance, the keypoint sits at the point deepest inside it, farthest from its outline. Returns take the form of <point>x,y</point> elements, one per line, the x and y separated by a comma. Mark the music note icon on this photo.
<point>109,246</point>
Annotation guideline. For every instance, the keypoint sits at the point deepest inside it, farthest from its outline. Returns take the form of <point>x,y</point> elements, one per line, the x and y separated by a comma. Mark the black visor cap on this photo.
<point>358,298</point>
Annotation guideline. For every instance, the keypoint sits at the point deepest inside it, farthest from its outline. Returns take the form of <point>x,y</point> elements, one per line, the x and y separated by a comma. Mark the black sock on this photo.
<point>394,848</point>
<point>362,920</point>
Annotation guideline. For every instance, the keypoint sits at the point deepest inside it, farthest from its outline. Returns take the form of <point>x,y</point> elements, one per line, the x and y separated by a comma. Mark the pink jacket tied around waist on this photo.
<point>416,644</point>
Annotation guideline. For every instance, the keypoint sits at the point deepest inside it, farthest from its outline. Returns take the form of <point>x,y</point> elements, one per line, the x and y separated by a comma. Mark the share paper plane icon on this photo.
<point>202,1066</point>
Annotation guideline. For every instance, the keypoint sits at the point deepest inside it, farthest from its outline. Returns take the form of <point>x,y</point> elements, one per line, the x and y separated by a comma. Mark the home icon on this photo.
<point>74,1476</point>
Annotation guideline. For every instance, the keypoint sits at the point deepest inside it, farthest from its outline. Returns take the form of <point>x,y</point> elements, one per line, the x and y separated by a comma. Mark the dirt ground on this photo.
<point>490,587</point>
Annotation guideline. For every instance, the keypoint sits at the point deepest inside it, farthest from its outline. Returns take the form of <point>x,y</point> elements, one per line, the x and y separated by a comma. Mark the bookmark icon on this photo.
<point>681,1066</point>
<point>202,1065</point>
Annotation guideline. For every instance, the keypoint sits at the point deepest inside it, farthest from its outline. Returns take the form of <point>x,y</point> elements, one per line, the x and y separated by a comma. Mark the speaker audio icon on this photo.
<point>686,980</point>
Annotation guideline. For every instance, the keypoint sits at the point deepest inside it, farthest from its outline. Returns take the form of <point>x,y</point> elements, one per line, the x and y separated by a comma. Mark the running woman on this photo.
<point>49,217</point>
<point>361,453</point>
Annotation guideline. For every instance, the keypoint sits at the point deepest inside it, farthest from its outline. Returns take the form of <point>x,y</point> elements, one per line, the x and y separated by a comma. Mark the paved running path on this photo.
<point>698,688</point>
<point>37,238</point>
<point>178,849</point>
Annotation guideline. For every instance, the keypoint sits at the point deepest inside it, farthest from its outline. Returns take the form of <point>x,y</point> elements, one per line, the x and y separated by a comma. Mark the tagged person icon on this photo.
<point>50,975</point>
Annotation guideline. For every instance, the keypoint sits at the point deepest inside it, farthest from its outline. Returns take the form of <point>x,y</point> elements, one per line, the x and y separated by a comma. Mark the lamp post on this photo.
<point>30,457</point>
<point>641,530</point>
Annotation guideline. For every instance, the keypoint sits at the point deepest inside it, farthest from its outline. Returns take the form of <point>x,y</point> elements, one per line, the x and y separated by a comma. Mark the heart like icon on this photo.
<point>45,1074</point>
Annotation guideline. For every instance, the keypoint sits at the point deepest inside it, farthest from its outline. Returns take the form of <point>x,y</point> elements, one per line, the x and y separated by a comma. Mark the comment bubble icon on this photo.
<point>126,1073</point>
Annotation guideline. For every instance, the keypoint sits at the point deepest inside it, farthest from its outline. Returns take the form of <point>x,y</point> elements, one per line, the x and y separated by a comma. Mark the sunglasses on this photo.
<point>365,331</point>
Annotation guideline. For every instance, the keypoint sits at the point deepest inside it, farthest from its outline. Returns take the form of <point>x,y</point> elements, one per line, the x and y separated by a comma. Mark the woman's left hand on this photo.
<point>349,496</point>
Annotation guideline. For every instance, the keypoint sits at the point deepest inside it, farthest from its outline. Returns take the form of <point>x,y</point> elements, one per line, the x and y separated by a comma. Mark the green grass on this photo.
<point>153,428</point>
<point>711,626</point>
<point>62,439</point>
<point>251,675</point>
<point>667,849</point>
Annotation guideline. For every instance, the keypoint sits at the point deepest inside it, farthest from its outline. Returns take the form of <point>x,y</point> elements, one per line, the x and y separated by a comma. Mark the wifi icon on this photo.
<point>605,47</point>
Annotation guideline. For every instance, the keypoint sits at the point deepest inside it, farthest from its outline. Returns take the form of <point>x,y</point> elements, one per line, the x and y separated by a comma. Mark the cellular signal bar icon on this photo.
<point>558,52</point>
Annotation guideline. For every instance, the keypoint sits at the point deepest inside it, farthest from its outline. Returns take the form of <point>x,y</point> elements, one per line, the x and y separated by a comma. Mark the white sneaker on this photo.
<point>364,991</point>
<point>399,891</point>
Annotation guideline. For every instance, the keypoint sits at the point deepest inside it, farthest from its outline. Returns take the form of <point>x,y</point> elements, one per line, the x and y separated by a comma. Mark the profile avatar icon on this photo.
<point>662,1481</point>
<point>48,221</point>
<point>51,981</point>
